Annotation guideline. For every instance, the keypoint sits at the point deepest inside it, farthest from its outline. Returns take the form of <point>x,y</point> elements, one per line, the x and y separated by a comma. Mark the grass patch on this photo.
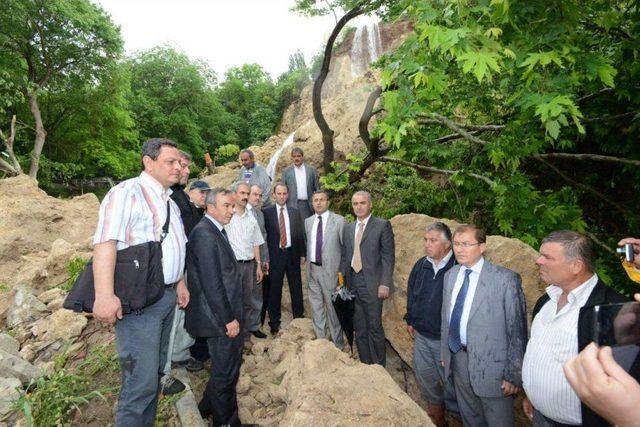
<point>4,287</point>
<point>73,267</point>
<point>279,378</point>
<point>50,400</point>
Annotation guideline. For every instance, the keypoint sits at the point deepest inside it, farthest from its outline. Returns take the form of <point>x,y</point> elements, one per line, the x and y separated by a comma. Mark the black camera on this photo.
<point>627,251</point>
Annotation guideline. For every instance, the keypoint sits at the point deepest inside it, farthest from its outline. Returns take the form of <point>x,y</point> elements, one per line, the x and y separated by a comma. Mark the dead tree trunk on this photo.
<point>325,129</point>
<point>41,133</point>
<point>11,167</point>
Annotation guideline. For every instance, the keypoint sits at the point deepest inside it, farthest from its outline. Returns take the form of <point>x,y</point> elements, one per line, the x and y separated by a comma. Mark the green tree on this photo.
<point>46,44</point>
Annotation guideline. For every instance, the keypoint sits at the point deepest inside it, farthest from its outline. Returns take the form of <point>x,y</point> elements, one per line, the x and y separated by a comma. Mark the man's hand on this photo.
<point>509,389</point>
<point>259,275</point>
<point>266,267</point>
<point>233,329</point>
<point>604,386</point>
<point>636,249</point>
<point>383,292</point>
<point>302,260</point>
<point>411,331</point>
<point>527,408</point>
<point>182,294</point>
<point>107,308</point>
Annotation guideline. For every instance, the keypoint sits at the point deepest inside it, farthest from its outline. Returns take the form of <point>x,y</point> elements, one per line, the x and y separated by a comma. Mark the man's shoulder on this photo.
<point>337,217</point>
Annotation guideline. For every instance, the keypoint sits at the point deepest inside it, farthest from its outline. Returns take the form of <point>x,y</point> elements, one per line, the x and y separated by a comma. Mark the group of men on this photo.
<point>224,261</point>
<point>472,353</point>
<point>228,250</point>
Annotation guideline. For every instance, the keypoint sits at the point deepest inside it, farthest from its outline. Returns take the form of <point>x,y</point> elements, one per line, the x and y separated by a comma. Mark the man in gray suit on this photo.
<point>484,332</point>
<point>324,241</point>
<point>302,181</point>
<point>368,260</point>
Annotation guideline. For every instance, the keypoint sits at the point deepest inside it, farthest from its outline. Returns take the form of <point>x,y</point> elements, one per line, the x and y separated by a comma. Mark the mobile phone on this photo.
<point>617,324</point>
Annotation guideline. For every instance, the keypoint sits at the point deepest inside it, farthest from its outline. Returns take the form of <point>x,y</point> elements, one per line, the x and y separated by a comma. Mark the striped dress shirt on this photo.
<point>554,340</point>
<point>244,233</point>
<point>133,212</point>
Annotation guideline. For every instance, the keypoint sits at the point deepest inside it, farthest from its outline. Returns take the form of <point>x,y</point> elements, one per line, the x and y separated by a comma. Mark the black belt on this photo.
<point>171,285</point>
<point>319,264</point>
<point>464,348</point>
<point>285,249</point>
<point>245,260</point>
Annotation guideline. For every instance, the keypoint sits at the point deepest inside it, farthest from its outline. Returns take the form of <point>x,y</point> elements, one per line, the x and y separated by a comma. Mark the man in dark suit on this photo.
<point>216,308</point>
<point>302,181</point>
<point>285,240</point>
<point>368,260</point>
<point>484,332</point>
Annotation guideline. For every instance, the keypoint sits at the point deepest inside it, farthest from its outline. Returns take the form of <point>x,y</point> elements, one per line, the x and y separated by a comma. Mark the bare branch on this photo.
<point>586,156</point>
<point>13,167</point>
<point>593,95</point>
<point>600,243</point>
<point>363,124</point>
<point>435,170</point>
<point>586,188</point>
<point>610,117</point>
<point>456,128</point>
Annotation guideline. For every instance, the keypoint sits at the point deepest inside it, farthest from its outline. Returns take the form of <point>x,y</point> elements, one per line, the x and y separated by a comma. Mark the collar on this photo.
<point>149,181</point>
<point>444,261</point>
<point>581,293</point>
<point>214,221</point>
<point>364,221</point>
<point>476,268</point>
<point>246,212</point>
<point>278,207</point>
<point>324,215</point>
<point>301,167</point>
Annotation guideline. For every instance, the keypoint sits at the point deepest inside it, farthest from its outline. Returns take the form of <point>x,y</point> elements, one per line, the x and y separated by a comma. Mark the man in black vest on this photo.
<point>424,306</point>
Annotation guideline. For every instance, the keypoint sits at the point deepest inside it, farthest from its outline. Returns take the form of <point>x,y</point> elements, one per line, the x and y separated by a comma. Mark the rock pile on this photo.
<point>294,380</point>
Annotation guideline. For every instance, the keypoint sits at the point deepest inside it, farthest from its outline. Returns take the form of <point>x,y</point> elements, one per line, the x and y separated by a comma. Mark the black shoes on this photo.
<point>191,364</point>
<point>275,330</point>
<point>258,334</point>
<point>170,385</point>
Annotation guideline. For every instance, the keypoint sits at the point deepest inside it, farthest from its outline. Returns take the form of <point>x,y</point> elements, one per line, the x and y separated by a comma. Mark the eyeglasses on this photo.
<point>465,244</point>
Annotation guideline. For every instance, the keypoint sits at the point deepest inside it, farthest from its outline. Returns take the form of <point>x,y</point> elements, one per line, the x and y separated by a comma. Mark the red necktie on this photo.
<point>283,229</point>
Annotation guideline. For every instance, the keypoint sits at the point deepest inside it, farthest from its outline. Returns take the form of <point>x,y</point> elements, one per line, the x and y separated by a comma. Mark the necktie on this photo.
<point>356,261</point>
<point>283,229</point>
<point>319,241</point>
<point>224,233</point>
<point>455,342</point>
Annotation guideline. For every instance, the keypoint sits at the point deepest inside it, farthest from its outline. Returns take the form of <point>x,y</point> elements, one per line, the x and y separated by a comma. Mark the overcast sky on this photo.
<point>225,33</point>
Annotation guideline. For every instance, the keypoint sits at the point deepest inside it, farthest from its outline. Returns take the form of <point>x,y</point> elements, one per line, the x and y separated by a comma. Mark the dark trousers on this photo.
<point>219,396</point>
<point>304,209</point>
<point>367,322</point>
<point>281,263</point>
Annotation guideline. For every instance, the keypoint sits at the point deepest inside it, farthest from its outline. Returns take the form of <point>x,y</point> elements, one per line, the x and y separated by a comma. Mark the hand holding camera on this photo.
<point>630,250</point>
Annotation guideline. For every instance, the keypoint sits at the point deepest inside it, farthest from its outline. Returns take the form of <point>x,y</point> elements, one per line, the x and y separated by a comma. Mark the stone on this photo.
<point>55,304</point>
<point>243,384</point>
<point>408,231</point>
<point>8,393</point>
<point>245,415</point>
<point>248,402</point>
<point>9,344</point>
<point>17,367</point>
<point>26,308</point>
<point>63,323</point>
<point>47,296</point>
<point>263,398</point>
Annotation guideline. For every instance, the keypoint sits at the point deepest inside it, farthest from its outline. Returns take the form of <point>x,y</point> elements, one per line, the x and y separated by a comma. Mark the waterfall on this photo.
<point>365,48</point>
<point>273,161</point>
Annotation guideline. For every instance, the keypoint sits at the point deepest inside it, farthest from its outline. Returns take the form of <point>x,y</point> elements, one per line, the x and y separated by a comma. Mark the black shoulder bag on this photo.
<point>138,278</point>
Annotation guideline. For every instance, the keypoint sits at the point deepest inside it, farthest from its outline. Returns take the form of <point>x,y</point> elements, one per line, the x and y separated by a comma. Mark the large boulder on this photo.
<point>31,221</point>
<point>12,366</point>
<point>408,230</point>
<point>25,308</point>
<point>8,394</point>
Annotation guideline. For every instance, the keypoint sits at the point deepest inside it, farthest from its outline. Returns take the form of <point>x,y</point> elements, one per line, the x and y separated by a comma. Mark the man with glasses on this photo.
<point>484,332</point>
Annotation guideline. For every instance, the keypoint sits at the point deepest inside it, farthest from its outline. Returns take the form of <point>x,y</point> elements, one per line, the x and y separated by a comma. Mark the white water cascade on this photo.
<point>365,49</point>
<point>273,161</point>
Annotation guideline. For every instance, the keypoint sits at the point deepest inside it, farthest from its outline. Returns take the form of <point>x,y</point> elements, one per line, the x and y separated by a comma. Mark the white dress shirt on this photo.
<point>468,301</point>
<point>442,264</point>
<point>301,182</point>
<point>133,212</point>
<point>244,234</point>
<point>287,224</point>
<point>554,340</point>
<point>314,232</point>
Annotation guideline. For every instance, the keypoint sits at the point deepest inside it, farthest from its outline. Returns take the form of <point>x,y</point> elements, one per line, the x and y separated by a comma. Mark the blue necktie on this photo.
<point>455,342</point>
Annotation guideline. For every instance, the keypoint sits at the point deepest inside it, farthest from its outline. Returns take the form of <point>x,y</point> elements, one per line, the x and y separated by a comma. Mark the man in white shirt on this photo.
<point>245,238</point>
<point>302,181</point>
<point>562,326</point>
<point>324,240</point>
